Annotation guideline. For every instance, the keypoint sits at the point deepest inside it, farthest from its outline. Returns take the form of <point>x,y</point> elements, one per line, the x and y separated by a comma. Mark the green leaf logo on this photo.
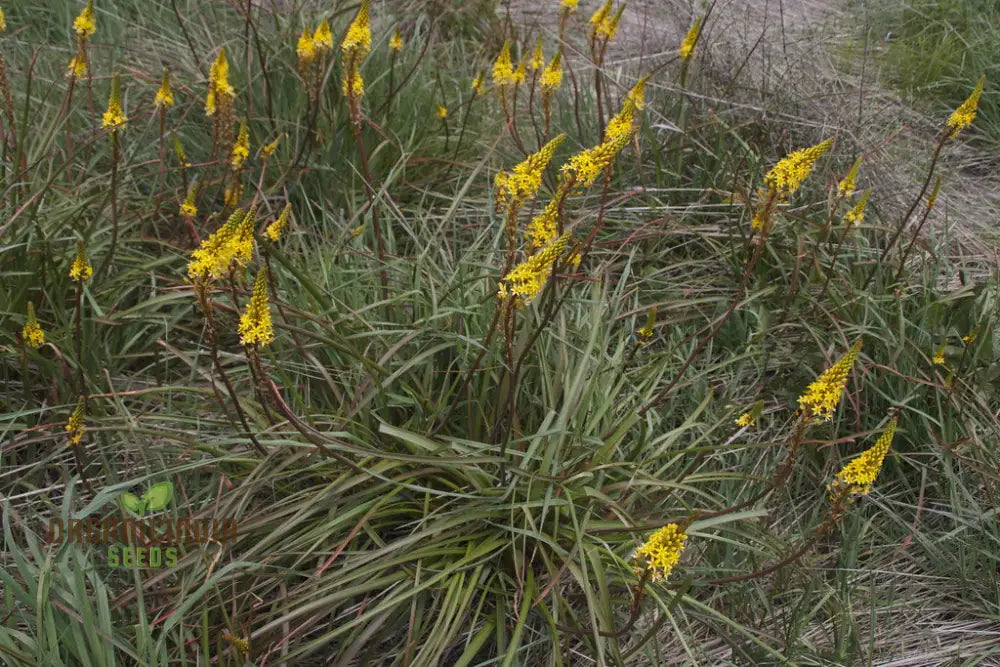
<point>155,498</point>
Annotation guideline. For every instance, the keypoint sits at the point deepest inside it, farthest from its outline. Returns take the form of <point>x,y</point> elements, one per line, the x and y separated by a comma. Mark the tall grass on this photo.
<point>423,473</point>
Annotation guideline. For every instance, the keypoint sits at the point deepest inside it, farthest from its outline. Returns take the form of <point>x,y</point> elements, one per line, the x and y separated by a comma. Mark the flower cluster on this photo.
<point>963,116</point>
<point>356,45</point>
<point>231,243</point>
<point>527,279</point>
<point>785,177</point>
<point>523,181</point>
<point>305,49</point>
<point>690,40</point>
<point>84,25</point>
<point>273,230</point>
<point>241,149</point>
<point>658,556</point>
<point>75,426</point>
<point>114,118</point>
<point>857,212</point>
<point>396,42</point>
<point>80,269</point>
<point>255,324</point>
<point>846,187</point>
<point>503,68</point>
<point>220,92</point>
<point>189,209</point>
<point>322,37</point>
<point>857,477</point>
<point>32,332</point>
<point>164,96</point>
<point>552,75</point>
<point>820,399</point>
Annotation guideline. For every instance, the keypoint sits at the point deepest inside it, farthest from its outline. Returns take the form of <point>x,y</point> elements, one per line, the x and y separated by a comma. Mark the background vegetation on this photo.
<point>408,510</point>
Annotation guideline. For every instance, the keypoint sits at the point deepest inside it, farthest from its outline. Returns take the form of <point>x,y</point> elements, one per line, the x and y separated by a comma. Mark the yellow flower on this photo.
<point>527,279</point>
<point>32,332</point>
<point>690,39</point>
<point>442,112</point>
<point>846,187</point>
<point>114,118</point>
<point>643,335</point>
<point>179,150</point>
<point>857,212</point>
<point>188,208</point>
<point>477,84</point>
<point>75,426</point>
<point>746,419</point>
<point>966,113</point>
<point>358,40</point>
<point>241,243</point>
<point>971,337</point>
<point>80,269</point>
<point>274,229</point>
<point>858,476</point>
<point>609,26</point>
<point>622,125</point>
<point>241,149</point>
<point>786,176</point>
<point>220,91</point>
<point>396,43</point>
<point>820,399</point>
<point>232,194</point>
<point>569,5</point>
<point>305,49</point>
<point>938,357</point>
<point>552,75</point>
<point>537,61</point>
<point>503,69</point>
<point>600,16</point>
<point>3,21</point>
<point>269,149</point>
<point>164,96</point>
<point>584,167</point>
<point>85,24</point>
<point>660,553</point>
<point>255,324</point>
<point>215,254</point>
<point>323,37</point>
<point>523,181</point>
<point>544,226</point>
<point>77,67</point>
<point>354,85</point>
<point>520,73</point>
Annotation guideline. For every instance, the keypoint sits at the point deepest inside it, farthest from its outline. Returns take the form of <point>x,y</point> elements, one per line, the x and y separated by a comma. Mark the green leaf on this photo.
<point>132,502</point>
<point>158,495</point>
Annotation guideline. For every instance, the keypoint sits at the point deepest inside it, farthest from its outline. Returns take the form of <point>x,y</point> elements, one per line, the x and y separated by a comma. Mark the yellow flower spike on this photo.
<point>569,5</point>
<point>690,40</point>
<point>273,230</point>
<point>32,332</point>
<point>354,85</point>
<point>75,425</point>
<point>658,556</point>
<point>600,16</point>
<point>396,43</point>
<point>358,40</point>
<point>938,357</point>
<point>241,149</point>
<point>232,195</point>
<point>114,118</point>
<point>164,96</point>
<point>503,68</point>
<point>857,477</point>
<point>537,61</point>
<point>609,26</point>
<point>323,37</point>
<point>971,337</point>
<point>788,174</point>
<point>552,75</point>
<point>305,49</point>
<point>220,91</point>
<point>179,150</point>
<point>821,398</point>
<point>584,167</point>
<point>269,149</point>
<point>80,269</point>
<point>213,257</point>
<point>442,112</point>
<point>3,21</point>
<point>857,213</point>
<point>527,279</point>
<point>523,181</point>
<point>963,116</point>
<point>85,24</point>
<point>846,187</point>
<point>477,84</point>
<point>521,73</point>
<point>77,67</point>
<point>643,335</point>
<point>242,241</point>
<point>189,209</point>
<point>255,326</point>
<point>622,125</point>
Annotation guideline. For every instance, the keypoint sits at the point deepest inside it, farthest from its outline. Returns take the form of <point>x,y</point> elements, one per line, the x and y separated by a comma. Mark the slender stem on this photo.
<point>115,156</point>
